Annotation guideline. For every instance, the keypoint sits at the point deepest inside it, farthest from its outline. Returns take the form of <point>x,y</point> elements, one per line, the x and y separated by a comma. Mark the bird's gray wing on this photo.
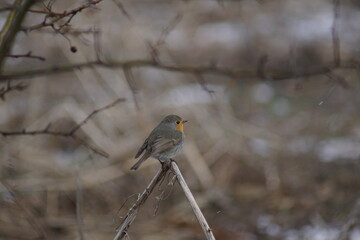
<point>162,144</point>
<point>156,144</point>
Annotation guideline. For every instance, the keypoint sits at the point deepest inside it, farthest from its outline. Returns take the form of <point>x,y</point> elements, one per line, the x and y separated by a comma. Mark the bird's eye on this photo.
<point>177,122</point>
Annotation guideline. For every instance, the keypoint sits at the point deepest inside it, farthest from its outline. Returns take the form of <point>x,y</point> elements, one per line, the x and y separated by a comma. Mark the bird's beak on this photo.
<point>185,121</point>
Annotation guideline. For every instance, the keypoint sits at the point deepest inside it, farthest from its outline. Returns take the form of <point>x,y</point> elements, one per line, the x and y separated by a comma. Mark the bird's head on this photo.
<point>174,122</point>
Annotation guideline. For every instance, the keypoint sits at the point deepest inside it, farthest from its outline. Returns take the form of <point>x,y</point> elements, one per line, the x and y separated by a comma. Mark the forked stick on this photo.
<point>130,216</point>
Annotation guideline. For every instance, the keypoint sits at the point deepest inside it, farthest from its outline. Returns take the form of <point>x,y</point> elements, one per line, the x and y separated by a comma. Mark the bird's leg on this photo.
<point>165,164</point>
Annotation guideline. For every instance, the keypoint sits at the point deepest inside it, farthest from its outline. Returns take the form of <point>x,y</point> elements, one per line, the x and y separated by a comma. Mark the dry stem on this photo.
<point>130,216</point>
<point>200,217</point>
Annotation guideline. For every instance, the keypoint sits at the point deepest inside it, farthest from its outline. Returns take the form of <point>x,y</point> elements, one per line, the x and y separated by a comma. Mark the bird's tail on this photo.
<point>142,159</point>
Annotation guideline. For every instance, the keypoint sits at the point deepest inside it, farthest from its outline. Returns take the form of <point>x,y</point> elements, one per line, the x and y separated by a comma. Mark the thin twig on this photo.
<point>93,113</point>
<point>27,55</point>
<point>126,200</point>
<point>154,47</point>
<point>165,193</point>
<point>204,225</point>
<point>9,88</point>
<point>91,147</point>
<point>69,31</point>
<point>122,9</point>
<point>70,133</point>
<point>56,17</point>
<point>167,30</point>
<point>203,85</point>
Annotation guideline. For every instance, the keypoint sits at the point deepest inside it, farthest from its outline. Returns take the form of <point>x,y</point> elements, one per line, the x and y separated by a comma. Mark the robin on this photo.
<point>164,142</point>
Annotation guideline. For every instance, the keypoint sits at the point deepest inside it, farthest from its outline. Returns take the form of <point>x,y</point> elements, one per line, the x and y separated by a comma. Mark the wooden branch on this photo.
<point>93,113</point>
<point>67,134</point>
<point>56,16</point>
<point>130,216</point>
<point>204,225</point>
<point>122,9</point>
<point>12,26</point>
<point>145,63</point>
<point>10,88</point>
<point>27,55</point>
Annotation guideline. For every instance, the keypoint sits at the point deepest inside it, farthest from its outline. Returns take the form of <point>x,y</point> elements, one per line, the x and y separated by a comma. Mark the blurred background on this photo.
<point>266,158</point>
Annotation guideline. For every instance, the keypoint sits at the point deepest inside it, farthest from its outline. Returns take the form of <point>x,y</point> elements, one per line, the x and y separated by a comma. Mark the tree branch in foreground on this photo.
<point>130,216</point>
<point>71,132</point>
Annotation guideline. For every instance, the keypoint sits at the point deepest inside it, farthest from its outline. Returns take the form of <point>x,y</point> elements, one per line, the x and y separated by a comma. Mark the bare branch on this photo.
<point>122,9</point>
<point>69,30</point>
<point>56,17</point>
<point>144,63</point>
<point>164,193</point>
<point>9,88</point>
<point>167,30</point>
<point>204,225</point>
<point>68,134</point>
<point>96,111</point>
<point>202,83</point>
<point>91,147</point>
<point>154,47</point>
<point>27,55</point>
<point>130,216</point>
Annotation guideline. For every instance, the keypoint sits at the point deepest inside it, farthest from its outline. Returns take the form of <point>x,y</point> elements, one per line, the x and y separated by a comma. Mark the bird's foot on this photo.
<point>165,164</point>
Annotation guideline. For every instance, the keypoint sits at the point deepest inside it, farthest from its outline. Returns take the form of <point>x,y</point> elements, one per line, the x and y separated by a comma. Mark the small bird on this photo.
<point>164,142</point>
